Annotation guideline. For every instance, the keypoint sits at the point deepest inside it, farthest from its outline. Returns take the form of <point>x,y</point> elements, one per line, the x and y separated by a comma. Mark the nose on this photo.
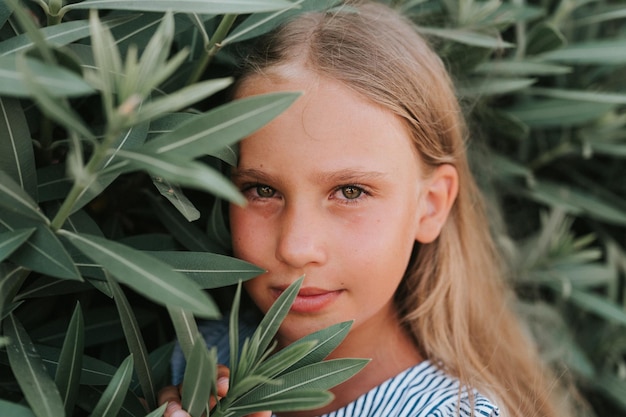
<point>302,236</point>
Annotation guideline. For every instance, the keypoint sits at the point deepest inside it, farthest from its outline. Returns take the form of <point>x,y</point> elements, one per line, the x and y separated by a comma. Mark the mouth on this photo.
<point>310,300</point>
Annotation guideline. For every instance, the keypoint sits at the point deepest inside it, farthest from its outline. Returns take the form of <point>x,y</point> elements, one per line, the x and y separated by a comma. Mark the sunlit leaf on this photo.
<point>222,126</point>
<point>209,270</point>
<point>38,388</point>
<point>145,274</point>
<point>184,6</point>
<point>580,95</point>
<point>602,52</point>
<point>199,379</point>
<point>57,35</point>
<point>494,86</point>
<point>113,397</point>
<point>176,196</point>
<point>467,37</point>
<point>17,158</point>
<point>521,68</point>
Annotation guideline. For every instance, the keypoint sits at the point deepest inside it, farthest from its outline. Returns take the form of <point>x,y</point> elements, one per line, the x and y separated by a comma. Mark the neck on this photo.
<point>391,353</point>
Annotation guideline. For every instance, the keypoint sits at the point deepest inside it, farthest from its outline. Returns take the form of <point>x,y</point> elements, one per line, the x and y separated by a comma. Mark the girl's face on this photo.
<point>335,192</point>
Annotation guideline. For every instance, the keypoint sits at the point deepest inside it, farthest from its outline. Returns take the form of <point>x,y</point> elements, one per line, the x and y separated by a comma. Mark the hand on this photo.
<point>172,395</point>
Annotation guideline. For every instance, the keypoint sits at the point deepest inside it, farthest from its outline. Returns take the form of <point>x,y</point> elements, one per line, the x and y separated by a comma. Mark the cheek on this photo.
<point>247,235</point>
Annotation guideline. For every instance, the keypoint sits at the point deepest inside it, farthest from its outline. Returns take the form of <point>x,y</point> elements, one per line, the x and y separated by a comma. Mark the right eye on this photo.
<point>265,191</point>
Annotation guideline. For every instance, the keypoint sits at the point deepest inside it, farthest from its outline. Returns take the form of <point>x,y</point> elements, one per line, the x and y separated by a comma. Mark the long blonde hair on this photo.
<point>452,298</point>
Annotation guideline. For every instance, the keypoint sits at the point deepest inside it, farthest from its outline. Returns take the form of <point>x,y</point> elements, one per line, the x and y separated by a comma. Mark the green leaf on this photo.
<point>579,95</point>
<point>56,81</point>
<point>12,279</point>
<point>54,107</point>
<point>180,99</point>
<point>13,409</point>
<point>182,171</point>
<point>42,252</point>
<point>57,35</point>
<point>557,112</point>
<point>544,37</point>
<point>521,68</point>
<point>296,384</point>
<point>113,397</point>
<point>135,342</point>
<point>175,195</point>
<point>260,23</point>
<point>592,303</point>
<point>603,52</point>
<point>145,274</point>
<point>38,388</point>
<point>188,234</point>
<point>185,327</point>
<point>467,37</point>
<point>222,126</point>
<point>14,198</point>
<point>92,372</point>
<point>211,7</point>
<point>199,381</point>
<point>10,241</point>
<point>17,158</point>
<point>158,412</point>
<point>209,270</point>
<point>217,226</point>
<point>300,400</point>
<point>494,86</point>
<point>89,396</point>
<point>68,371</point>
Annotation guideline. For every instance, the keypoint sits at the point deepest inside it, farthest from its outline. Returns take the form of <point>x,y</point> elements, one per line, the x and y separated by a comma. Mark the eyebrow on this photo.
<point>343,175</point>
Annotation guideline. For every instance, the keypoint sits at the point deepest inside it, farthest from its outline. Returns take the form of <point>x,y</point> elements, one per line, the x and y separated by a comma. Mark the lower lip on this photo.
<point>313,303</point>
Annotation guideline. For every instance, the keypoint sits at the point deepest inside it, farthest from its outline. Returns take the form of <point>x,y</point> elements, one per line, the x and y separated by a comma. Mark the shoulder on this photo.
<point>421,391</point>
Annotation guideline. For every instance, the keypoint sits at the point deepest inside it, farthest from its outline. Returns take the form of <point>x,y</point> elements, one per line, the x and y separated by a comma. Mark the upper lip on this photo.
<point>307,291</point>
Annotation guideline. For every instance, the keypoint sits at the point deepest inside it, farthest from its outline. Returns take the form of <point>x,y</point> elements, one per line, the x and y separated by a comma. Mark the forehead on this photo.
<point>328,110</point>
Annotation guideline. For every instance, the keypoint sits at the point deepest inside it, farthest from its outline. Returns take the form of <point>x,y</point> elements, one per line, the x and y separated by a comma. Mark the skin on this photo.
<point>336,192</point>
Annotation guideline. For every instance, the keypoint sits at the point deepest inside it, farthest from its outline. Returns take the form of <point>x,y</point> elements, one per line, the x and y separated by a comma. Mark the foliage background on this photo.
<point>92,192</point>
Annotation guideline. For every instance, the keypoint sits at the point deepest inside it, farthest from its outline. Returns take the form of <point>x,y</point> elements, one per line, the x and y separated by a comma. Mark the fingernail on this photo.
<point>223,382</point>
<point>180,413</point>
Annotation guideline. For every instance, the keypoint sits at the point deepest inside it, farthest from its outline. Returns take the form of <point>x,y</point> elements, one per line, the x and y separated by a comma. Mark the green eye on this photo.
<point>265,191</point>
<point>351,192</point>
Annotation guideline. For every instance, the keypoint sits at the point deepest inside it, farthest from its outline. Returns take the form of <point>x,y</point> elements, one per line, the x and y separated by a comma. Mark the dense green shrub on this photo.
<point>112,133</point>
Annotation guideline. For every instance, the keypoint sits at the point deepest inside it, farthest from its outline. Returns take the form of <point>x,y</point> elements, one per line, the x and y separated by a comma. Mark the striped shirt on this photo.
<point>423,390</point>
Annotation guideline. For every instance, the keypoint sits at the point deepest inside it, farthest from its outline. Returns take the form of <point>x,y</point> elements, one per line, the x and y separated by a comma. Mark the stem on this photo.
<point>213,46</point>
<point>79,187</point>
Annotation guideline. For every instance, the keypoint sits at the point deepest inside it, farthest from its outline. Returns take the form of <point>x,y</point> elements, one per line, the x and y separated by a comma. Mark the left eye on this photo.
<point>351,192</point>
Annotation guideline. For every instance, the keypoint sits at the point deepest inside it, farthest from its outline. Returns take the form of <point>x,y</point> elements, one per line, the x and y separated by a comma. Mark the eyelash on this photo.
<point>246,189</point>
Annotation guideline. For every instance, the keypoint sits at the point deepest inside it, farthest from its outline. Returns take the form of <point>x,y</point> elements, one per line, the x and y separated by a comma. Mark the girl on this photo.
<point>364,187</point>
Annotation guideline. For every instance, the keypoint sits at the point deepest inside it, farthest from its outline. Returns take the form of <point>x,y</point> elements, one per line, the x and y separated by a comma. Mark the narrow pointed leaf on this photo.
<point>468,37</point>
<point>54,107</point>
<point>92,372</point>
<point>113,397</point>
<point>198,382</point>
<point>90,395</point>
<point>187,173</point>
<point>273,318</point>
<point>135,342</point>
<point>320,376</point>
<point>185,6</point>
<point>58,81</point>
<point>145,274</point>
<point>38,388</point>
<point>177,197</point>
<point>14,410</point>
<point>42,252</point>
<point>222,126</point>
<point>10,241</point>
<point>180,99</point>
<point>209,270</point>
<point>188,234</point>
<point>14,198</point>
<point>604,52</point>
<point>217,226</point>
<point>57,35</point>
<point>68,371</point>
<point>158,412</point>
<point>300,400</point>
<point>185,327</point>
<point>17,158</point>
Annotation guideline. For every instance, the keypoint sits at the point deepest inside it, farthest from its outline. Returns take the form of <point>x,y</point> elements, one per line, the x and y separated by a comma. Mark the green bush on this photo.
<point>112,134</point>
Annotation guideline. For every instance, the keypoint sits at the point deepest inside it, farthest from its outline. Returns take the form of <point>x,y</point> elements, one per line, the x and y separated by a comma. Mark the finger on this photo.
<point>223,374</point>
<point>261,414</point>
<point>170,393</point>
<point>174,409</point>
